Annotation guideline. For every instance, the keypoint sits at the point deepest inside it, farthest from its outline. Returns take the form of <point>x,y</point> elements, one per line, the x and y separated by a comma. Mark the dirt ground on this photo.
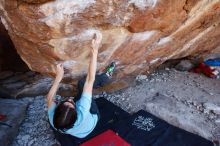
<point>186,100</point>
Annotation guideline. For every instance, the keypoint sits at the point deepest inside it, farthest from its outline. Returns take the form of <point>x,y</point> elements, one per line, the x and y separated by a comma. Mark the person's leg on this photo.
<point>100,80</point>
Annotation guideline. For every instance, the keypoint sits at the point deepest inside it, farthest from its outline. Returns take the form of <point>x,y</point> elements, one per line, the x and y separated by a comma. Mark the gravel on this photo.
<point>35,129</point>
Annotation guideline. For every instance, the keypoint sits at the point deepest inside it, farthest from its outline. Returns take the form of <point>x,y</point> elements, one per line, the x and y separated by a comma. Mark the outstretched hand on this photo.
<point>96,41</point>
<point>59,71</point>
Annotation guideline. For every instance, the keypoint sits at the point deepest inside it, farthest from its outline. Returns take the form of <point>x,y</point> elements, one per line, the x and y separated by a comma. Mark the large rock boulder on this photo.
<point>137,34</point>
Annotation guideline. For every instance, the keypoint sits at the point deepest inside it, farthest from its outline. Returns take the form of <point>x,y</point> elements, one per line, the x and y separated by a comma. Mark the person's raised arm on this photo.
<point>53,89</point>
<point>88,86</point>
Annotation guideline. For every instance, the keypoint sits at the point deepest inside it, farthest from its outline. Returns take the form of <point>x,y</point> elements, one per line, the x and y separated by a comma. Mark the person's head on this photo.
<point>65,115</point>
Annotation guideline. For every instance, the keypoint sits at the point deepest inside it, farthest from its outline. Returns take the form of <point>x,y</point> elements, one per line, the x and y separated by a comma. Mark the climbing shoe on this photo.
<point>110,69</point>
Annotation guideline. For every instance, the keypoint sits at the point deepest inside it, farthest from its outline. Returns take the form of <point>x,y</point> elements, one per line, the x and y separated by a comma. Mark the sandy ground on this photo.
<point>186,100</point>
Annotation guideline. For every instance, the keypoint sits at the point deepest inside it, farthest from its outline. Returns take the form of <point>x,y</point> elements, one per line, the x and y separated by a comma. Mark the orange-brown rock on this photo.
<point>137,34</point>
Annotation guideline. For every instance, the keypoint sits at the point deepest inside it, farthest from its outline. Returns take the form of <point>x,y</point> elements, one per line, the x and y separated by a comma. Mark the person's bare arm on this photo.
<point>88,86</point>
<point>53,89</point>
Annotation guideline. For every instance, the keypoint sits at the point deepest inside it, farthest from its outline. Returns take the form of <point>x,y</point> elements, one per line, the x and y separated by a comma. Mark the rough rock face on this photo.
<point>137,34</point>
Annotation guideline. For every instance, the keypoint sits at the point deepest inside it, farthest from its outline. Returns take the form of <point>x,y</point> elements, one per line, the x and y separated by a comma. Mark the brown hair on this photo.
<point>64,117</point>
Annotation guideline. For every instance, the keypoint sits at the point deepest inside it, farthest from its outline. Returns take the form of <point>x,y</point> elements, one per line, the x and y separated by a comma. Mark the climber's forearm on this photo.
<point>52,91</point>
<point>92,67</point>
<point>91,72</point>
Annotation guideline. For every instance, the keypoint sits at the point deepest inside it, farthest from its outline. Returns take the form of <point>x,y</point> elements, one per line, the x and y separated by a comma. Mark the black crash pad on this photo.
<point>144,129</point>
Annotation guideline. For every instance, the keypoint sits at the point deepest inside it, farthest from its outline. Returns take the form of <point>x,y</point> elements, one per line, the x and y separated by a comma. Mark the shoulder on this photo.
<point>86,95</point>
<point>84,102</point>
<point>52,107</point>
